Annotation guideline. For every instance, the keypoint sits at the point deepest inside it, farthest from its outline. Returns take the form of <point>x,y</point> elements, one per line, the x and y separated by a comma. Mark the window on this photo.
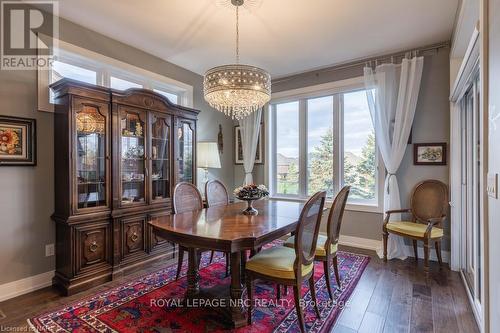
<point>323,141</point>
<point>320,145</point>
<point>120,84</point>
<point>61,70</point>
<point>360,169</point>
<point>171,97</point>
<point>86,66</point>
<point>287,148</point>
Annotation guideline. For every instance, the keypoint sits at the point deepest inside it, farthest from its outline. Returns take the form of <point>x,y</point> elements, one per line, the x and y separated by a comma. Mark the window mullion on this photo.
<point>338,134</point>
<point>274,184</point>
<point>303,148</point>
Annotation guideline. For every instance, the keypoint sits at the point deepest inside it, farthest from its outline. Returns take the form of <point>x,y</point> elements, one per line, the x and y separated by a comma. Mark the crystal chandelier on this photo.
<point>237,90</point>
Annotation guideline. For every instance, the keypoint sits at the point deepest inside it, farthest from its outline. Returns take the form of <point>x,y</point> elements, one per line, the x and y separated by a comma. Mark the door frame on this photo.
<point>471,65</point>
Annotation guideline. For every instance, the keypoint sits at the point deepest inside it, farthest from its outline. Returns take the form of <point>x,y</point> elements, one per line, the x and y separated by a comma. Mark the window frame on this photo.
<point>105,67</point>
<point>335,89</point>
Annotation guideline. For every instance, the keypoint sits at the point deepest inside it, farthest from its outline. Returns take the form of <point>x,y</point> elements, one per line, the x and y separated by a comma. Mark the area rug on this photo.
<point>152,303</point>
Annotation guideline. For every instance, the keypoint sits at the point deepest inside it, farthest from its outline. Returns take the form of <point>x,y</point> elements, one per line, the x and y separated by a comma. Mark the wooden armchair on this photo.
<point>429,207</point>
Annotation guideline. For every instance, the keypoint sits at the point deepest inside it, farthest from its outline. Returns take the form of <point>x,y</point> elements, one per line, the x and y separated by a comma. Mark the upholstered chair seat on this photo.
<point>320,247</point>
<point>413,229</point>
<point>276,262</point>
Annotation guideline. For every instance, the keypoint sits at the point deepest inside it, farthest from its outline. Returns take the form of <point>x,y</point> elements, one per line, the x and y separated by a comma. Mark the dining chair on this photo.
<point>187,198</point>
<point>428,210</point>
<point>287,266</point>
<point>331,240</point>
<point>216,195</point>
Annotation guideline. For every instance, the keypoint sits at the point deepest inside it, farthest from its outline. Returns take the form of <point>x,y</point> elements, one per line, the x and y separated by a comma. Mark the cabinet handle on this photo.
<point>134,237</point>
<point>93,246</point>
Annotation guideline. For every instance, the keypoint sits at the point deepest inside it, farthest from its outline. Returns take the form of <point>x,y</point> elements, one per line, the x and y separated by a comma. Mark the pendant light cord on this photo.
<point>237,35</point>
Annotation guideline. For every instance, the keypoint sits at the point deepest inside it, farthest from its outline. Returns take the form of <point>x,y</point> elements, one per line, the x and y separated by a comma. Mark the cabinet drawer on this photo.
<point>92,246</point>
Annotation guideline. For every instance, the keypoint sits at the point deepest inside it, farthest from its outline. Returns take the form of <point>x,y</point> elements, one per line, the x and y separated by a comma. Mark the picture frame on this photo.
<point>238,147</point>
<point>429,153</point>
<point>17,141</point>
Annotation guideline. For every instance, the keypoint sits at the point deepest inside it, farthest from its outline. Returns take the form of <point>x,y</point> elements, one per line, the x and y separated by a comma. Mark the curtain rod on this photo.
<point>364,61</point>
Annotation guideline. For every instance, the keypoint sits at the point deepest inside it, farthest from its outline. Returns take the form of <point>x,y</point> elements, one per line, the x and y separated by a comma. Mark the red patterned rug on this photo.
<point>152,303</point>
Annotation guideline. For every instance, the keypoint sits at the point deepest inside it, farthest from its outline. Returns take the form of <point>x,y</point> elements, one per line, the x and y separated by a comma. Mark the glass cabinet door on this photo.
<point>91,155</point>
<point>133,163</point>
<point>160,157</point>
<point>185,149</point>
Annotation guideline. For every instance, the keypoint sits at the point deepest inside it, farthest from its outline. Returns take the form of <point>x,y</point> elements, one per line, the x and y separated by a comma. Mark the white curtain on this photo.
<point>392,98</point>
<point>250,127</point>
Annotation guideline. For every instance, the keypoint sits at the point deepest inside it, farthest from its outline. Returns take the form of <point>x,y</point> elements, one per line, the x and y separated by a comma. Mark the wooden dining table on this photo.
<point>226,229</point>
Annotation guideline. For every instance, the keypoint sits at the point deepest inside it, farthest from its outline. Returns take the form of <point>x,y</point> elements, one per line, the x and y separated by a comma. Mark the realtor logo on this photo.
<point>28,33</point>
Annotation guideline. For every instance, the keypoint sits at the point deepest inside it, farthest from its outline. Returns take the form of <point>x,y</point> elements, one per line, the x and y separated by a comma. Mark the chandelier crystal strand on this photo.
<point>237,90</point>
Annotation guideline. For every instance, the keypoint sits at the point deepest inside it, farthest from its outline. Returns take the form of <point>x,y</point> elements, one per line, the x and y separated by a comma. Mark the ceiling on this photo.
<point>283,37</point>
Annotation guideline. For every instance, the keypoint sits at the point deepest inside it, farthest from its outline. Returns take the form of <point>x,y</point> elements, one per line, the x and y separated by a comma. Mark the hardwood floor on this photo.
<point>392,297</point>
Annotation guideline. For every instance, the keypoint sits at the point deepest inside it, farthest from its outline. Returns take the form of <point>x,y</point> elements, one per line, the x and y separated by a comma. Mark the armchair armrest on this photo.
<point>436,220</point>
<point>394,211</point>
<point>431,223</point>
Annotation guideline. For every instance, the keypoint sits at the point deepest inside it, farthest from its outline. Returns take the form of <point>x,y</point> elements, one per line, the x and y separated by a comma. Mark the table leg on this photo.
<point>243,264</point>
<point>193,276</point>
<point>236,291</point>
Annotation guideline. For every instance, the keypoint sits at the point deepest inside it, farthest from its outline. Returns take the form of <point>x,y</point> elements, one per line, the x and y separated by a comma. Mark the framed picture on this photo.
<point>429,153</point>
<point>17,141</point>
<point>238,147</point>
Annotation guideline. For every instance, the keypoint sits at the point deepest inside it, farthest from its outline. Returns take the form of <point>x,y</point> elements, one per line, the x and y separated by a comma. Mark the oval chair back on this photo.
<point>216,194</point>
<point>429,199</point>
<point>306,234</point>
<point>335,217</point>
<point>187,198</point>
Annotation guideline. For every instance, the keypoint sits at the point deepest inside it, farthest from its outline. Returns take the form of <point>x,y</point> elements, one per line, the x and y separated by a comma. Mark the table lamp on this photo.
<point>208,157</point>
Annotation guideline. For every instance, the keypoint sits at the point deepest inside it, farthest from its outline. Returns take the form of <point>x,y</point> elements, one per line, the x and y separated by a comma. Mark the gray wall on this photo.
<point>27,193</point>
<point>431,124</point>
<point>494,163</point>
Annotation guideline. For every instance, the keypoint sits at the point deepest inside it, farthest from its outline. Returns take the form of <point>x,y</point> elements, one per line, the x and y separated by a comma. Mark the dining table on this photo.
<point>226,229</point>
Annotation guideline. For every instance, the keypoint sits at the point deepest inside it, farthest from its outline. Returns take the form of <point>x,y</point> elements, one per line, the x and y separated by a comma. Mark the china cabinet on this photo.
<point>118,156</point>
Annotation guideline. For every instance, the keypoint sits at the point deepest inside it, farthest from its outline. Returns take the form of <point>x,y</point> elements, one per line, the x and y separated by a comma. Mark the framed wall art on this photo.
<point>429,153</point>
<point>17,141</point>
<point>238,147</point>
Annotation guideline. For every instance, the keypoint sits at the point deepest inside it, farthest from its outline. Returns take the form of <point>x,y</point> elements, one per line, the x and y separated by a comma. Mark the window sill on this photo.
<point>352,207</point>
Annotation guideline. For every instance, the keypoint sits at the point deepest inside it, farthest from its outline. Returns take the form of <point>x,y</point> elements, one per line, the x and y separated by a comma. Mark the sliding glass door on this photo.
<point>471,164</point>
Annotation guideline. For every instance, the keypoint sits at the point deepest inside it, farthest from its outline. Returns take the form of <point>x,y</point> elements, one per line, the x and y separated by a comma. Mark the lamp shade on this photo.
<point>208,155</point>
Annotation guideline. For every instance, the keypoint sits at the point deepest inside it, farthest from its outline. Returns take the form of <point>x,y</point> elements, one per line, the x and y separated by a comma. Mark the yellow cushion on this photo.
<point>276,262</point>
<point>413,229</point>
<point>320,247</point>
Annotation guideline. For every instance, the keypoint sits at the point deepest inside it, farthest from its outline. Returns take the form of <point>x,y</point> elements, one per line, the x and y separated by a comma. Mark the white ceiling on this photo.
<point>283,37</point>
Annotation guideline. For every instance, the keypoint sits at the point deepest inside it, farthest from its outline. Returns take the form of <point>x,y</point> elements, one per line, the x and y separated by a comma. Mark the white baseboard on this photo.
<point>360,243</point>
<point>26,285</point>
<point>375,245</point>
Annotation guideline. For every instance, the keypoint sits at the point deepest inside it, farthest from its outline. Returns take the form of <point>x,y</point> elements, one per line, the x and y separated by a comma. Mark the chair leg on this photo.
<point>415,250</point>
<point>250,298</point>
<point>336,271</point>
<point>228,261</point>
<point>211,256</point>
<point>300,315</point>
<point>285,290</point>
<point>438,253</point>
<point>386,236</point>
<point>326,269</point>
<point>180,259</point>
<point>278,291</point>
<point>426,256</point>
<point>312,289</point>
